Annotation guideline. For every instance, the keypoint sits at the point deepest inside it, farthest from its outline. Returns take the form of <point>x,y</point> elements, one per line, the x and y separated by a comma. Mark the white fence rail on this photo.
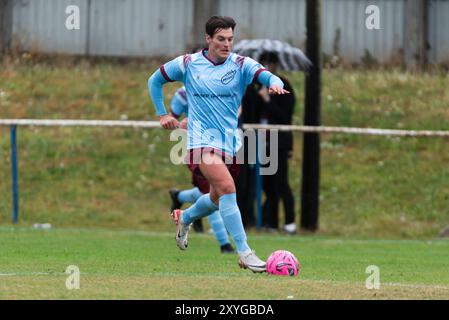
<point>155,124</point>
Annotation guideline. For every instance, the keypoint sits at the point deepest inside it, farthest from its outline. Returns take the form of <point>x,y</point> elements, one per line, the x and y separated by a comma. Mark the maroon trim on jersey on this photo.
<point>239,61</point>
<point>256,75</point>
<point>186,60</point>
<point>183,94</point>
<point>215,64</point>
<point>164,74</point>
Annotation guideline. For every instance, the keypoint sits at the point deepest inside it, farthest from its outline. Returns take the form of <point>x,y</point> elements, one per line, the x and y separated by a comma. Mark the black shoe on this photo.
<point>227,248</point>
<point>175,204</point>
<point>198,226</point>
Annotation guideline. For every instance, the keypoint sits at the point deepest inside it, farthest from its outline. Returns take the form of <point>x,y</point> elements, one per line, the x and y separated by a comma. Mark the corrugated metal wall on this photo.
<point>140,27</point>
<point>40,25</point>
<point>281,19</point>
<point>285,20</point>
<point>164,27</point>
<point>349,17</point>
<point>112,27</point>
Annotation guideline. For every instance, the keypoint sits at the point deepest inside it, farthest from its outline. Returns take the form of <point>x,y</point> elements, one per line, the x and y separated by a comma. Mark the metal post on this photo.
<point>88,30</point>
<point>15,176</point>
<point>5,25</point>
<point>416,34</point>
<point>312,114</point>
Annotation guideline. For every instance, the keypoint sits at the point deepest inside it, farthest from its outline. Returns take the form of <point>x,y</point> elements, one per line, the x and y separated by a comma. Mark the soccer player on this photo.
<point>178,108</point>
<point>215,80</point>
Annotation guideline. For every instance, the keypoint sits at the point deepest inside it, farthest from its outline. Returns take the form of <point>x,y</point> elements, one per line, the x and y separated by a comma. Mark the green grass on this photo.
<point>127,264</point>
<point>371,187</point>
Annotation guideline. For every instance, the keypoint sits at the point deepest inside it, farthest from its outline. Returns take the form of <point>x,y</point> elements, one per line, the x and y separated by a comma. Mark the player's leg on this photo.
<point>179,197</point>
<point>220,232</point>
<point>189,195</point>
<point>222,191</point>
<point>201,208</point>
<point>214,219</point>
<point>184,218</point>
<point>273,207</point>
<point>204,206</point>
<point>286,193</point>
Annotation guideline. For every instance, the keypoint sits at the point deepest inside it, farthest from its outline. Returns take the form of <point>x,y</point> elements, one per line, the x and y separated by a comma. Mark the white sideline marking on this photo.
<point>415,286</point>
<point>254,234</point>
<point>387,284</point>
<point>227,276</point>
<point>15,274</point>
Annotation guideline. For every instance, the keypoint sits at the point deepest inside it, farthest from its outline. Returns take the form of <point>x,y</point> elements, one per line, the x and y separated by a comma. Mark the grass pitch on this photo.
<point>371,188</point>
<point>127,264</point>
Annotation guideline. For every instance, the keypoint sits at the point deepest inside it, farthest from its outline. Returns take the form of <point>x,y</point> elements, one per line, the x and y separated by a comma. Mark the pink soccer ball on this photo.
<point>283,263</point>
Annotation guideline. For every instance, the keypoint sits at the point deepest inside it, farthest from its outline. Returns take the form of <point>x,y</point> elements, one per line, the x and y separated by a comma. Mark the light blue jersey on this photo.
<point>214,93</point>
<point>178,104</point>
<point>179,107</point>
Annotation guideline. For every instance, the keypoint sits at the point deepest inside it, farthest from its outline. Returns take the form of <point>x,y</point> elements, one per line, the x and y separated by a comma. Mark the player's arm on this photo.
<point>168,72</point>
<point>183,123</point>
<point>254,71</point>
<point>178,107</point>
<point>272,82</point>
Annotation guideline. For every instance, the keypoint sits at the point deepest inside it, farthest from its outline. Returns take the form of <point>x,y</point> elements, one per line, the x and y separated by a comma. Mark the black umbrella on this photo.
<point>290,58</point>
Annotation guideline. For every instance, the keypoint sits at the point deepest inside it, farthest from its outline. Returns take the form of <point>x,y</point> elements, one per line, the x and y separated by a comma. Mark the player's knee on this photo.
<point>227,188</point>
<point>214,197</point>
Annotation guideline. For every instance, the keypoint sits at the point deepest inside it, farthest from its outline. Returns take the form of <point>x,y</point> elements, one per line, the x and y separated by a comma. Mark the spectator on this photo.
<point>246,191</point>
<point>260,107</point>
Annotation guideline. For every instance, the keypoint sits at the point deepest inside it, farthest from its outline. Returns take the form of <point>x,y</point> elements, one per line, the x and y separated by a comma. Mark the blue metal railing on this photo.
<point>15,175</point>
<point>259,216</point>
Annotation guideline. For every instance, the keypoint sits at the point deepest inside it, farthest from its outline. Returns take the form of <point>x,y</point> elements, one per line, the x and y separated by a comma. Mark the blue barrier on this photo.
<point>15,175</point>
<point>258,188</point>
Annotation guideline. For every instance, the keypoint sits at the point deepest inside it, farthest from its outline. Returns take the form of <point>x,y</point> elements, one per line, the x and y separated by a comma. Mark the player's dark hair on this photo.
<point>268,57</point>
<point>216,23</point>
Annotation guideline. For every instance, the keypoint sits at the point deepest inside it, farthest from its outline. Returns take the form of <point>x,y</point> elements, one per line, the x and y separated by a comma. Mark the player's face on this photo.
<point>220,45</point>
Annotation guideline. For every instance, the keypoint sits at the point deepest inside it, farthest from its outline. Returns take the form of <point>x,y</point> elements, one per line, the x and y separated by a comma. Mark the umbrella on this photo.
<point>290,58</point>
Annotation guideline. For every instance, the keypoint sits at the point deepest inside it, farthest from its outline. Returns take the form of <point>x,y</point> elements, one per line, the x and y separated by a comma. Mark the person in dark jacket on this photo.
<point>260,107</point>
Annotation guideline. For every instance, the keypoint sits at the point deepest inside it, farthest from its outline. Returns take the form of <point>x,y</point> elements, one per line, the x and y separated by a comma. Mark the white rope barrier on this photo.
<point>79,123</point>
<point>155,124</point>
<point>350,130</point>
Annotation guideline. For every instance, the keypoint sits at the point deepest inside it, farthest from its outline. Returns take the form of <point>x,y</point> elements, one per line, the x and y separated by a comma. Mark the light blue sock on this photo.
<point>232,219</point>
<point>189,195</point>
<point>201,208</point>
<point>218,227</point>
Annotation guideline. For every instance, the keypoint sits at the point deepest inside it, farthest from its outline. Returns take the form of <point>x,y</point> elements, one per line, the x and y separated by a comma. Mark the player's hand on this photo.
<point>183,123</point>
<point>277,90</point>
<point>168,122</point>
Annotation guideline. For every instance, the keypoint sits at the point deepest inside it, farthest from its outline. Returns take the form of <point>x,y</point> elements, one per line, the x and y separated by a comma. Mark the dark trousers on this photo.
<point>246,193</point>
<point>276,187</point>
